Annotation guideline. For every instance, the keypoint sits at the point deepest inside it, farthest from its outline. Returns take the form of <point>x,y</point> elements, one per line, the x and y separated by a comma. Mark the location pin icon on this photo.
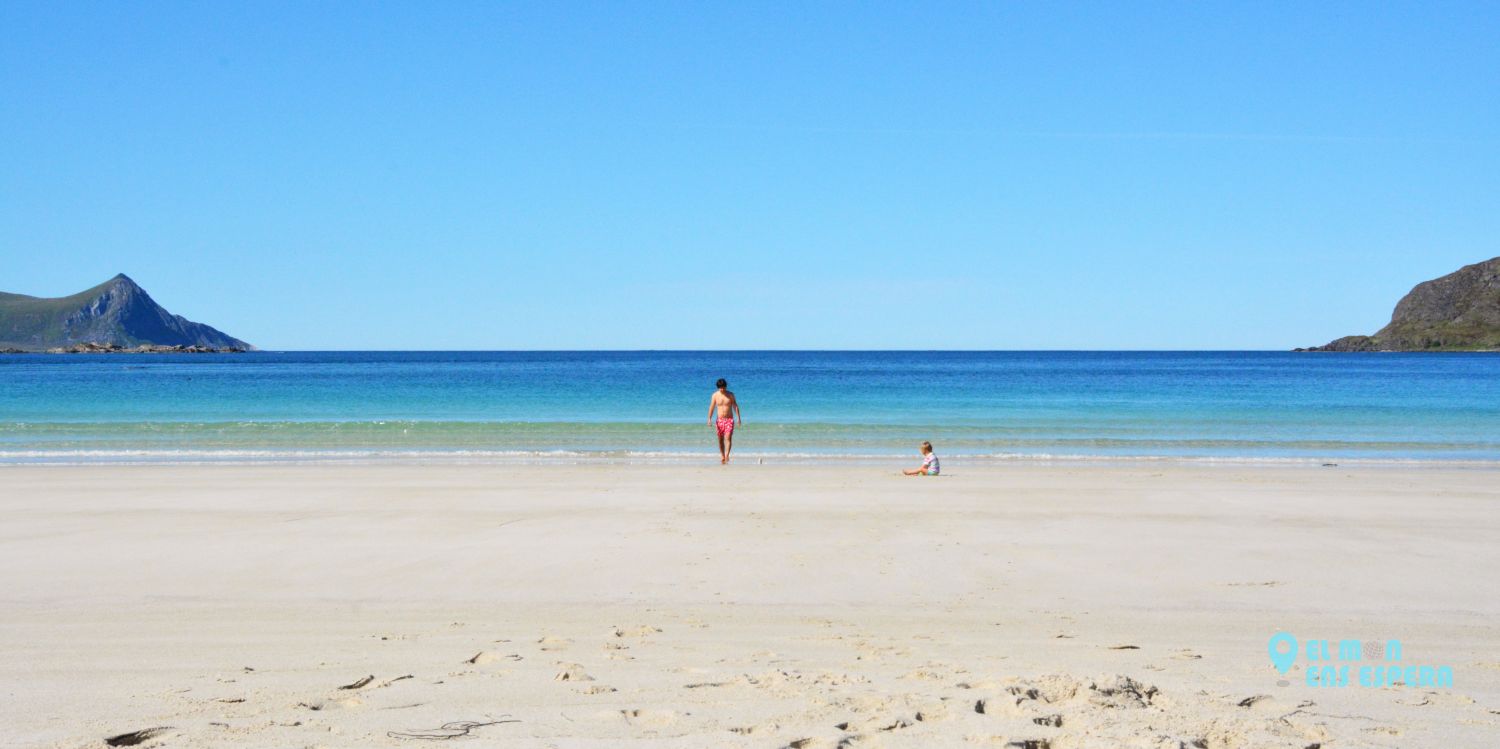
<point>1283,649</point>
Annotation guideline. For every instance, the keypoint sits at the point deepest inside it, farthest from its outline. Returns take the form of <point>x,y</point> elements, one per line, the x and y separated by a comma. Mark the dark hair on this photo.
<point>721,384</point>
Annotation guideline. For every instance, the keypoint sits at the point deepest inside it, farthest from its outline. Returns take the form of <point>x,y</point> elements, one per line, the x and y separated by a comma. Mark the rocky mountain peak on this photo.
<point>1457,312</point>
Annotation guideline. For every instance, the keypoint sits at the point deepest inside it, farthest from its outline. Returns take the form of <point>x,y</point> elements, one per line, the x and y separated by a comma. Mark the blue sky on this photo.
<point>709,175</point>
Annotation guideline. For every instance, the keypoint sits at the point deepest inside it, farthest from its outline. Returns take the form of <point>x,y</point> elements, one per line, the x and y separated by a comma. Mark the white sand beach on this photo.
<point>1062,606</point>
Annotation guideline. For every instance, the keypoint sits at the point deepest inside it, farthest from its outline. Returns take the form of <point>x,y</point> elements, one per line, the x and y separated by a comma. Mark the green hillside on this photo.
<point>115,313</point>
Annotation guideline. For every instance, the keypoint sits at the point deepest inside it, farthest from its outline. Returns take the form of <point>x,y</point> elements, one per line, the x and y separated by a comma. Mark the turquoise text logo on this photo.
<point>1352,662</point>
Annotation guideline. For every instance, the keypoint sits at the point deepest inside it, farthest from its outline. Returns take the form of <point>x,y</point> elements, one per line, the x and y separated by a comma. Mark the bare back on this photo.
<point>723,402</point>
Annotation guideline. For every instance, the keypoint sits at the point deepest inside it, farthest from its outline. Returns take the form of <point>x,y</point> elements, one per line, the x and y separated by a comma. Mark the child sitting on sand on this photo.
<point>930,465</point>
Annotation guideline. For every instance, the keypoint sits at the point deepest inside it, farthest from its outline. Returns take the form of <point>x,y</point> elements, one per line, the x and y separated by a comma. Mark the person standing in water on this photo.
<point>723,407</point>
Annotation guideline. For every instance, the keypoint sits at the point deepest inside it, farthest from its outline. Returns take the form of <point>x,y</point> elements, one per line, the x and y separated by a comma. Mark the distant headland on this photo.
<point>117,316</point>
<point>1458,312</point>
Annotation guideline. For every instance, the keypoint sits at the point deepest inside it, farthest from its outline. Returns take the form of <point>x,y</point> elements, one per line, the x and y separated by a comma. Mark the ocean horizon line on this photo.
<point>262,350</point>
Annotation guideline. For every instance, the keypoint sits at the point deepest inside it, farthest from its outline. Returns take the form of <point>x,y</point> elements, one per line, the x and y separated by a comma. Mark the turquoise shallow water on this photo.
<point>649,405</point>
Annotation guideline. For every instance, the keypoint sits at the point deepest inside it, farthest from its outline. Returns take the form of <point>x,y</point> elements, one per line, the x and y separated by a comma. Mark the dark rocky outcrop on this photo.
<point>145,348</point>
<point>1458,312</point>
<point>116,316</point>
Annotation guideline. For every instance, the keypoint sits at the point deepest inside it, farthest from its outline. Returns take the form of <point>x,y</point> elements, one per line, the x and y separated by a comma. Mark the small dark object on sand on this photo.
<point>360,683</point>
<point>137,737</point>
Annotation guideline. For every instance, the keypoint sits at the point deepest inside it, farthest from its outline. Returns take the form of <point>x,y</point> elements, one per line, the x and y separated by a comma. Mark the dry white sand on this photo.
<point>1055,606</point>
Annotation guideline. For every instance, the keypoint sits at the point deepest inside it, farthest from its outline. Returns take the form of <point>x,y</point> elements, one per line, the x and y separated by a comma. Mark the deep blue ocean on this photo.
<point>803,405</point>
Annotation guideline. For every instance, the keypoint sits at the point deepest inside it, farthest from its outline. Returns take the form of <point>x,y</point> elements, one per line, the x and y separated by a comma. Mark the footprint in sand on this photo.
<point>1438,698</point>
<point>933,712</point>
<point>572,672</point>
<point>649,718</point>
<point>924,674</point>
<point>1025,698</point>
<point>485,657</point>
<point>761,729</point>
<point>1253,700</point>
<point>1121,692</point>
<point>877,723</point>
<point>325,705</point>
<point>640,631</point>
<point>549,642</point>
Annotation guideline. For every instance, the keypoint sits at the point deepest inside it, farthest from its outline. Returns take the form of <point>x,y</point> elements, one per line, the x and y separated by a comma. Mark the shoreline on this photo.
<point>460,457</point>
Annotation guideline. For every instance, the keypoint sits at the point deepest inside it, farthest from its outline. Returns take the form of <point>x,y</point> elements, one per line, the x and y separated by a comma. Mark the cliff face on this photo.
<point>115,313</point>
<point>1458,312</point>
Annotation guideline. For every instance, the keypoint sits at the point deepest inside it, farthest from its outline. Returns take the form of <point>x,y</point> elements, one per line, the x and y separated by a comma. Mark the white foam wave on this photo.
<point>951,460</point>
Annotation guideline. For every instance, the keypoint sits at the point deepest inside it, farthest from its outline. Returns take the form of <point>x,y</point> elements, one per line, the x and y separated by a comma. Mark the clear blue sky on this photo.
<point>800,175</point>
